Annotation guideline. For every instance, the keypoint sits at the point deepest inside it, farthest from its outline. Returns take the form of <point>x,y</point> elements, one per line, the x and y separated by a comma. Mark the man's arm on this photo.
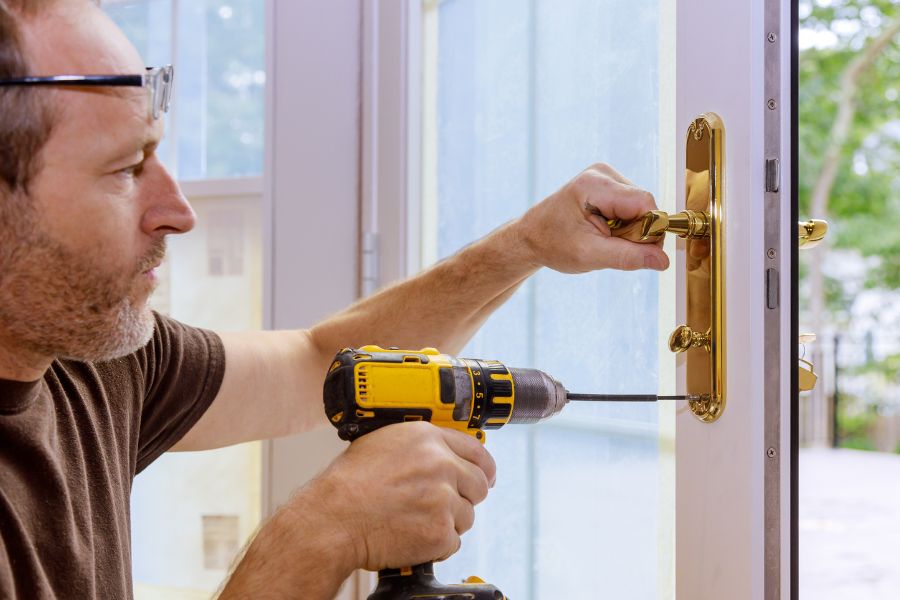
<point>273,380</point>
<point>372,508</point>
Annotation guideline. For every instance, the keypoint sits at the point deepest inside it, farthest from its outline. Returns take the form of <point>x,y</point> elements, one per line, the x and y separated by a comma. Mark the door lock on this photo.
<point>806,376</point>
<point>684,338</point>
<point>701,340</point>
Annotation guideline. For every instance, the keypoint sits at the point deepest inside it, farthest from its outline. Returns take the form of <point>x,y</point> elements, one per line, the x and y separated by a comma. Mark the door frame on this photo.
<point>736,478</point>
<point>733,500</point>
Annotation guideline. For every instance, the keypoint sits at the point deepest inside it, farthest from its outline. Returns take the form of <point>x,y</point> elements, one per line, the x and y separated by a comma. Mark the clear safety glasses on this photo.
<point>157,79</point>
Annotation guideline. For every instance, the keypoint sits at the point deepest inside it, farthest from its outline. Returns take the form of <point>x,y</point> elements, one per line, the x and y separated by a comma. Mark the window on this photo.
<point>216,125</point>
<point>191,512</point>
<point>518,97</point>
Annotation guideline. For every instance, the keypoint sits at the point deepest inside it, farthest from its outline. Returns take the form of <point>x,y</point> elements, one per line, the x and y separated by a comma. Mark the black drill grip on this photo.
<point>421,583</point>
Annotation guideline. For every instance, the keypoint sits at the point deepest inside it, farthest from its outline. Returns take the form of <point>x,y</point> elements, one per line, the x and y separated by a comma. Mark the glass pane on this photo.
<point>221,88</point>
<point>519,98</point>
<point>148,25</point>
<point>192,512</point>
<point>217,115</point>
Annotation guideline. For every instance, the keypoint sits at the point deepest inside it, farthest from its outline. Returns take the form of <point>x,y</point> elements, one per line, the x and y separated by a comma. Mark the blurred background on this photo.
<point>850,297</point>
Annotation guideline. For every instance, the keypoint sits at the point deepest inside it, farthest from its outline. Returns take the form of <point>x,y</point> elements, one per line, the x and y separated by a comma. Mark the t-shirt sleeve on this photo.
<point>184,370</point>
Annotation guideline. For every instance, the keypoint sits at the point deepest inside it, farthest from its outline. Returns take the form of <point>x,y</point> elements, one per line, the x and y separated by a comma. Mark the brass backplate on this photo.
<point>705,266</point>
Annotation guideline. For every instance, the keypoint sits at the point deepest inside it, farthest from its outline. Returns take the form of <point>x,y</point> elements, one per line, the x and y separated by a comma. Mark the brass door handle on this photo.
<point>692,224</point>
<point>811,232</point>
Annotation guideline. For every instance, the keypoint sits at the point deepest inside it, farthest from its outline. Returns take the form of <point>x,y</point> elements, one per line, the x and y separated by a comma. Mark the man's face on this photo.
<point>92,229</point>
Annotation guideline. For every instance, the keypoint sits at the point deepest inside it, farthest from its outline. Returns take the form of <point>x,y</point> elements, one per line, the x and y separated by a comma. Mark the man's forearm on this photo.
<point>441,307</point>
<point>297,554</point>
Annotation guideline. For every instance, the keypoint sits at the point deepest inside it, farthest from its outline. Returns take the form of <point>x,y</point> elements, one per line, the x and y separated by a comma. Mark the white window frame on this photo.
<point>733,505</point>
<point>311,201</point>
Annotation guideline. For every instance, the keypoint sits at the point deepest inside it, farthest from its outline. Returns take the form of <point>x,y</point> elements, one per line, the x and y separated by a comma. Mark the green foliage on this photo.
<point>887,367</point>
<point>854,425</point>
<point>864,205</point>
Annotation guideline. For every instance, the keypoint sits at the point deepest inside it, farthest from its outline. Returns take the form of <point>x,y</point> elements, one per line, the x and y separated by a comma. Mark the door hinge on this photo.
<point>370,259</point>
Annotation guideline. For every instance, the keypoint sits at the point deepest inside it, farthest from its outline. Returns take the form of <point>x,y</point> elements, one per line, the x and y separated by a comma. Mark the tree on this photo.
<point>850,138</point>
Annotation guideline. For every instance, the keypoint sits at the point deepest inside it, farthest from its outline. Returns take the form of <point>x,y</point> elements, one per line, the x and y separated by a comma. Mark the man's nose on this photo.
<point>167,209</point>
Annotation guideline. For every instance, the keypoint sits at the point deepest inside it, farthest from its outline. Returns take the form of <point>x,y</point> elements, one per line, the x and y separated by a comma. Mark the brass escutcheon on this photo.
<point>701,340</point>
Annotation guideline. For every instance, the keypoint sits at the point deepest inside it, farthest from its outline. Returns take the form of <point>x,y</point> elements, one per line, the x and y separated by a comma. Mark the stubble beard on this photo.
<point>58,303</point>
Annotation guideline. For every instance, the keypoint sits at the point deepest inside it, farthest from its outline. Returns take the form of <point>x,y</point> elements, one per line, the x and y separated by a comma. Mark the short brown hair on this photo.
<point>27,118</point>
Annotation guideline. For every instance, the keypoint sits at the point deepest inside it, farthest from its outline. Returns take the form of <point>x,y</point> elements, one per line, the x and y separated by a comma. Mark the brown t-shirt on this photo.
<point>70,446</point>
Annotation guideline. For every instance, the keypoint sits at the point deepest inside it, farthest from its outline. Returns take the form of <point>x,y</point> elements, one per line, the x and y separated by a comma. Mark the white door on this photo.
<point>471,111</point>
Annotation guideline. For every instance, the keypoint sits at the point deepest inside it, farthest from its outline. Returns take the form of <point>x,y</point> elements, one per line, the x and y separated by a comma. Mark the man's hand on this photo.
<point>399,496</point>
<point>568,232</point>
<point>405,493</point>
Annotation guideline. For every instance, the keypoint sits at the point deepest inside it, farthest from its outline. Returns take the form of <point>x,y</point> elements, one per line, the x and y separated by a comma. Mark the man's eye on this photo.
<point>132,171</point>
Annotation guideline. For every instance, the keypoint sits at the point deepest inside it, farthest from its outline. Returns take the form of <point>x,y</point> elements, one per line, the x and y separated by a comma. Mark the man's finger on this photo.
<point>470,449</point>
<point>458,545</point>
<point>611,172</point>
<point>471,482</point>
<point>463,516</point>
<point>630,256</point>
<point>615,200</point>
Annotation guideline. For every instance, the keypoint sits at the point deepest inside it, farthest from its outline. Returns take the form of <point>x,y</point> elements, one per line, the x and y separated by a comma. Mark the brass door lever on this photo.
<point>811,232</point>
<point>691,224</point>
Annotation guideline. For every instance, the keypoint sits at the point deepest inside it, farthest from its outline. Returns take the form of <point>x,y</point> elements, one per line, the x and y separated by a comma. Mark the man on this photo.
<point>94,386</point>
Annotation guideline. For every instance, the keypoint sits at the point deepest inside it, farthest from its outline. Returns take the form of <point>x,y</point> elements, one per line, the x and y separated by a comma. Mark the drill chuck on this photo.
<point>538,396</point>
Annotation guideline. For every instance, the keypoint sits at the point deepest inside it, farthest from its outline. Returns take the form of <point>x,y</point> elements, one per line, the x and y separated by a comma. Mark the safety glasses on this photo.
<point>157,79</point>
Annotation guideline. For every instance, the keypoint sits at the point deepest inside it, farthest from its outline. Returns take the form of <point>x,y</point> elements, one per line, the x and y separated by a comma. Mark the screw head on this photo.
<point>771,37</point>
<point>771,452</point>
<point>772,104</point>
<point>771,253</point>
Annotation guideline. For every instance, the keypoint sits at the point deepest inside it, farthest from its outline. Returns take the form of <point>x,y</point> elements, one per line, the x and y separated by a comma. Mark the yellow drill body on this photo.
<point>371,387</point>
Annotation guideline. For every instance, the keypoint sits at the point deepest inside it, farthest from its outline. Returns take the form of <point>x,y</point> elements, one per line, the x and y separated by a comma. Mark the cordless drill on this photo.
<point>371,387</point>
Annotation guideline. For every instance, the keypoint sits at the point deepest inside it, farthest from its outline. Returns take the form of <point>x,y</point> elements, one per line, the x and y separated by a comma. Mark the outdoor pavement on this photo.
<point>849,525</point>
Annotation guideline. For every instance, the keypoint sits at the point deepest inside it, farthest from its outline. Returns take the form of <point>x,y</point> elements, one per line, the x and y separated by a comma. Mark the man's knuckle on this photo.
<point>482,489</point>
<point>466,520</point>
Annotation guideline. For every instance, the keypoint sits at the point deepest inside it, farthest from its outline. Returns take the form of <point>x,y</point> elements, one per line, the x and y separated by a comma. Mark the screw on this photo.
<point>772,37</point>
<point>771,452</point>
<point>771,253</point>
<point>772,104</point>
